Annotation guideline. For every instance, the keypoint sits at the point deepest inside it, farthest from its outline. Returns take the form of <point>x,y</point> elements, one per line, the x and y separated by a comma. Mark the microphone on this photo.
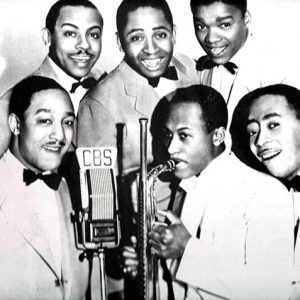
<point>99,216</point>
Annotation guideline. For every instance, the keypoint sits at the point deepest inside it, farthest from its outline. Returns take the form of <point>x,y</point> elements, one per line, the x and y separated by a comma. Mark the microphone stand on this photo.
<point>96,249</point>
<point>101,256</point>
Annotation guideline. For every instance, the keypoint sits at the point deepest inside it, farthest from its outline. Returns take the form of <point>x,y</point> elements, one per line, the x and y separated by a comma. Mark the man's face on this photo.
<point>147,41</point>
<point>77,39</point>
<point>221,30</point>
<point>187,140</point>
<point>274,135</point>
<point>47,130</point>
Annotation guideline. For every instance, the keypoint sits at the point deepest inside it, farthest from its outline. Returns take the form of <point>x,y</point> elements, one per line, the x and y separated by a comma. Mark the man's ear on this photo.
<point>14,124</point>
<point>119,42</point>
<point>174,34</point>
<point>46,36</point>
<point>247,17</point>
<point>218,136</point>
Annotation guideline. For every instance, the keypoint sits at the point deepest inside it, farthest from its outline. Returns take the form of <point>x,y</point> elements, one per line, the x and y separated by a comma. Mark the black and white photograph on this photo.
<point>149,149</point>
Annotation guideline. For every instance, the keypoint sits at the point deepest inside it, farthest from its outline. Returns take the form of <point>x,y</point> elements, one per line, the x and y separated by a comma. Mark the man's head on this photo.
<point>221,27</point>
<point>269,118</point>
<point>41,118</point>
<point>146,35</point>
<point>74,35</point>
<point>194,128</point>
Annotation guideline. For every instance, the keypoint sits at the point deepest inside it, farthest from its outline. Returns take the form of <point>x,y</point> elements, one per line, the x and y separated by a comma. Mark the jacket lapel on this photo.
<point>66,234</point>
<point>24,219</point>
<point>143,96</point>
<point>21,215</point>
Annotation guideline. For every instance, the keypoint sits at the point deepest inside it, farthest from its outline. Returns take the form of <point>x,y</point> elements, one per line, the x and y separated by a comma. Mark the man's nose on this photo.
<point>83,43</point>
<point>173,146</point>
<point>150,46</point>
<point>212,36</point>
<point>57,132</point>
<point>262,137</point>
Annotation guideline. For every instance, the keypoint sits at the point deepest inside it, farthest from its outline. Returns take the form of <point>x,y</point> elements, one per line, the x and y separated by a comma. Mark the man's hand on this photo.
<point>169,241</point>
<point>130,260</point>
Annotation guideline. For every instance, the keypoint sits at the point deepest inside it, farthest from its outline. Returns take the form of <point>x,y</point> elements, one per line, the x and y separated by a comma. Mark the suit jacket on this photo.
<point>28,269</point>
<point>45,70</point>
<point>123,97</point>
<point>246,244</point>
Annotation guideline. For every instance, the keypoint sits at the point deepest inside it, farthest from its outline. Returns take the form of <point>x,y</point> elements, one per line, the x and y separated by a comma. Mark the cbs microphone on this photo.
<point>99,219</point>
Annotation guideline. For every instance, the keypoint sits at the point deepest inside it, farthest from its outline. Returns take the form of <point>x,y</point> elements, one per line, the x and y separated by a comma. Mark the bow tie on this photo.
<point>170,73</point>
<point>294,184</point>
<point>204,63</point>
<point>87,83</point>
<point>52,180</point>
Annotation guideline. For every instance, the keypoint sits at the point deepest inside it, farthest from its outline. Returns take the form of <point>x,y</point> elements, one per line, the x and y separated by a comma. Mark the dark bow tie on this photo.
<point>204,63</point>
<point>293,184</point>
<point>170,73</point>
<point>87,83</point>
<point>52,180</point>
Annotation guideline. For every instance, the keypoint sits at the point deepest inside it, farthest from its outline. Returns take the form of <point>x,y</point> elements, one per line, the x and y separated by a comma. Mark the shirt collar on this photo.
<point>64,79</point>
<point>189,183</point>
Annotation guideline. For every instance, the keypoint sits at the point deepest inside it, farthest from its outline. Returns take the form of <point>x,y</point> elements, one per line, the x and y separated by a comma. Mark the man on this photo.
<point>73,33</point>
<point>146,35</point>
<point>149,71</point>
<point>266,129</point>
<point>39,259</point>
<point>225,244</point>
<point>266,122</point>
<point>234,63</point>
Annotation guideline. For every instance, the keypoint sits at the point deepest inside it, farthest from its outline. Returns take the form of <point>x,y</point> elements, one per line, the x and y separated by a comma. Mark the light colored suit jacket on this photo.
<point>124,96</point>
<point>28,269</point>
<point>246,244</point>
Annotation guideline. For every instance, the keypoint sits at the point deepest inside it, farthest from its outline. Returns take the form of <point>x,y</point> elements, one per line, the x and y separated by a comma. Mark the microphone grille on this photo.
<point>102,193</point>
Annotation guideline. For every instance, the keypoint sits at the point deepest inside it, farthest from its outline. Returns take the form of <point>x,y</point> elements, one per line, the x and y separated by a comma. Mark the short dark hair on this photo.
<point>212,104</point>
<point>22,93</point>
<point>238,128</point>
<point>56,7</point>
<point>214,113</point>
<point>128,6</point>
<point>240,4</point>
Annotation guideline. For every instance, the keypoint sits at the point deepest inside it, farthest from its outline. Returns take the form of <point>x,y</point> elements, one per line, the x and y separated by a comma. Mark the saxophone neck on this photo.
<point>166,166</point>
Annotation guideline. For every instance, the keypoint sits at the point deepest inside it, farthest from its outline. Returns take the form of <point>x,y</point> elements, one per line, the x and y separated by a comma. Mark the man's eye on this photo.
<point>200,27</point>
<point>225,25</point>
<point>94,35</point>
<point>167,134</point>
<point>183,136</point>
<point>161,35</point>
<point>45,121</point>
<point>69,123</point>
<point>252,133</point>
<point>273,125</point>
<point>70,34</point>
<point>136,38</point>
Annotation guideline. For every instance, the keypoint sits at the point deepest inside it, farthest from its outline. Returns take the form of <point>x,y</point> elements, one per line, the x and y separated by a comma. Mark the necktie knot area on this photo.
<point>204,63</point>
<point>170,73</point>
<point>87,83</point>
<point>52,180</point>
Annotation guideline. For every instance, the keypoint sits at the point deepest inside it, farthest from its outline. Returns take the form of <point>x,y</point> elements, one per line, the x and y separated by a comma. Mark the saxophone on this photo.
<point>148,288</point>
